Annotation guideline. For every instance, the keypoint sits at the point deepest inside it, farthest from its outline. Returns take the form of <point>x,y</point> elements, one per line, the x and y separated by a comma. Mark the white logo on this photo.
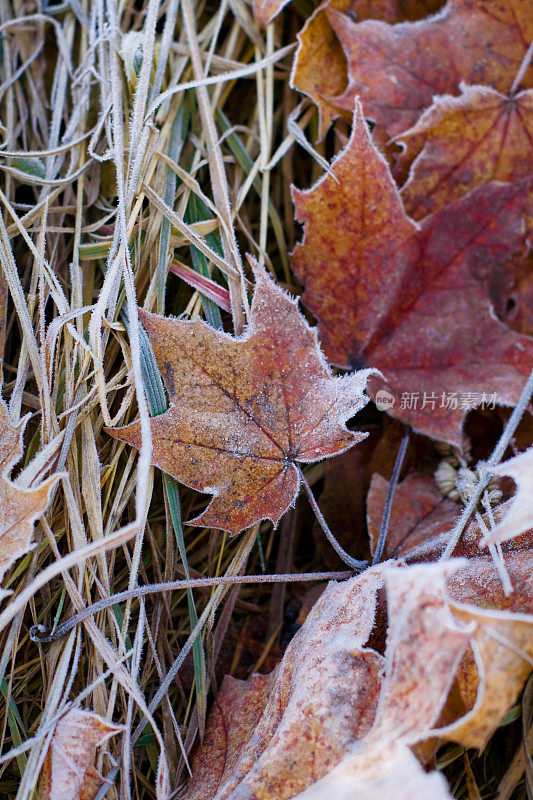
<point>384,400</point>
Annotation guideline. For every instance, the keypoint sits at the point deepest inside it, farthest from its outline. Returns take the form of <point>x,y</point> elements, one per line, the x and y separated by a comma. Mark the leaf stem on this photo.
<point>382,538</point>
<point>356,565</point>
<point>42,635</point>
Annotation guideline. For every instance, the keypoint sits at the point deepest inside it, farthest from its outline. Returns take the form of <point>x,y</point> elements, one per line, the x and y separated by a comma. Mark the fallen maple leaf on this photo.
<point>19,507</point>
<point>520,516</point>
<point>277,734</point>
<point>244,411</point>
<point>412,300</point>
<point>461,142</point>
<point>315,726</point>
<point>396,70</point>
<point>68,773</point>
<point>320,69</point>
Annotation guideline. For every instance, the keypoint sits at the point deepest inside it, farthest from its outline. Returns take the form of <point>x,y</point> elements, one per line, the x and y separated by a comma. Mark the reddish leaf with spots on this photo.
<point>245,411</point>
<point>413,300</point>
<point>396,70</point>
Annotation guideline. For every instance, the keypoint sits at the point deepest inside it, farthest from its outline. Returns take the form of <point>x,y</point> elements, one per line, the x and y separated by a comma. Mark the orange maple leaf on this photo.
<point>461,142</point>
<point>245,411</point>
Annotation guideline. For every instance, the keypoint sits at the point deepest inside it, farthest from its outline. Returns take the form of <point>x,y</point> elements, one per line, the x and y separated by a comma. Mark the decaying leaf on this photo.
<point>468,140</point>
<point>68,772</point>
<point>330,716</point>
<point>273,736</point>
<point>520,515</point>
<point>323,697</point>
<point>396,70</point>
<point>502,642</point>
<point>19,508</point>
<point>378,771</point>
<point>244,411</point>
<point>412,300</point>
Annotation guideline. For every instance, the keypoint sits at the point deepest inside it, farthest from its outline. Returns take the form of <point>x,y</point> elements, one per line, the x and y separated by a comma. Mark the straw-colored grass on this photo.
<point>139,140</point>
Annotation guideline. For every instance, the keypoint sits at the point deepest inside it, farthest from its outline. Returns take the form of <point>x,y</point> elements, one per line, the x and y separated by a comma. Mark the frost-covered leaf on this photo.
<point>245,410</point>
<point>520,515</point>
<point>461,142</point>
<point>333,702</point>
<point>19,507</point>
<point>272,736</point>
<point>412,300</point>
<point>396,70</point>
<point>68,772</point>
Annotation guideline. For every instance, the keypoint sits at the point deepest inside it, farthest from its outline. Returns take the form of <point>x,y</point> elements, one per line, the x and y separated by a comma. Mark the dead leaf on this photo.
<point>461,142</point>
<point>323,711</point>
<point>382,770</point>
<point>320,69</point>
<point>420,521</point>
<point>520,515</point>
<point>321,697</point>
<point>266,10</point>
<point>244,411</point>
<point>412,301</point>
<point>19,507</point>
<point>502,643</point>
<point>68,772</point>
<point>396,70</point>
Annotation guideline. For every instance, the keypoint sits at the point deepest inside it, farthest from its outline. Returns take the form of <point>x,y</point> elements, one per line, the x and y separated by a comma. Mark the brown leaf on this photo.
<point>461,142</point>
<point>266,10</point>
<point>68,773</point>
<point>244,411</point>
<point>520,515</point>
<point>396,70</point>
<point>420,521</point>
<point>412,301</point>
<point>321,698</point>
<point>323,711</point>
<point>320,69</point>
<point>384,770</point>
<point>502,642</point>
<point>19,507</point>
